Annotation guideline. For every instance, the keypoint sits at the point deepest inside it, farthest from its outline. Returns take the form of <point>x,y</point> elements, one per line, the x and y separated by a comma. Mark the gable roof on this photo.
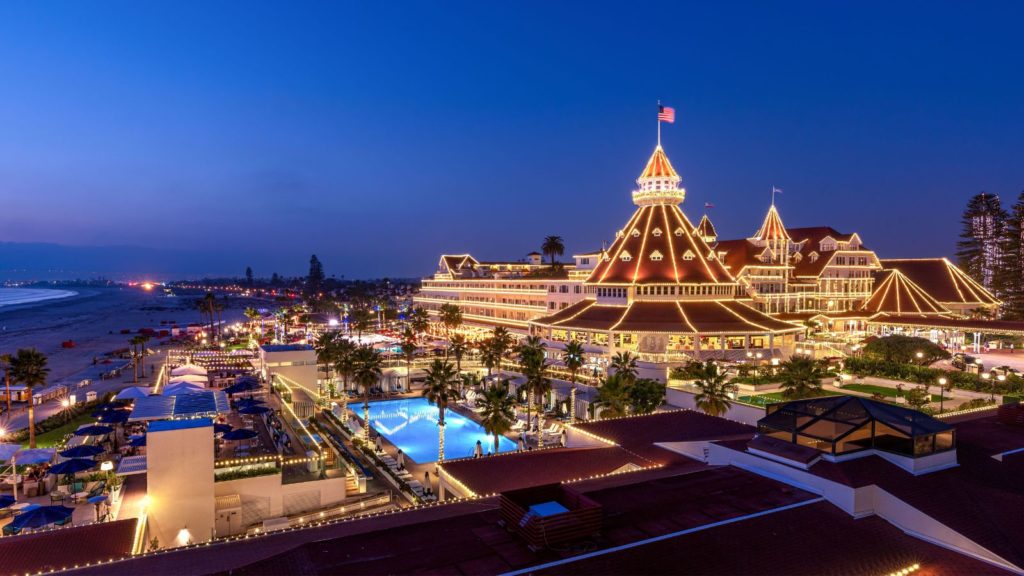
<point>705,228</point>
<point>896,294</point>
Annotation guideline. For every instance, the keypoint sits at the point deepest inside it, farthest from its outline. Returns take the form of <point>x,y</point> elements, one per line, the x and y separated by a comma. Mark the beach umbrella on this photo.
<point>30,456</point>
<point>134,393</point>
<point>93,430</point>
<point>250,401</point>
<point>244,386</point>
<point>6,501</point>
<point>137,441</point>
<point>240,434</point>
<point>72,466</point>
<point>83,451</point>
<point>222,428</point>
<point>253,410</point>
<point>42,516</point>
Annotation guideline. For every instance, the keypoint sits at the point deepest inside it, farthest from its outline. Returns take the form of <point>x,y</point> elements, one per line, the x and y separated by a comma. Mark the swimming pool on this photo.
<point>411,424</point>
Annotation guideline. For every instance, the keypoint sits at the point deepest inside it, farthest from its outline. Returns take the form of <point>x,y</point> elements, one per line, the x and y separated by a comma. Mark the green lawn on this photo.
<point>883,390</point>
<point>773,397</point>
<point>51,438</point>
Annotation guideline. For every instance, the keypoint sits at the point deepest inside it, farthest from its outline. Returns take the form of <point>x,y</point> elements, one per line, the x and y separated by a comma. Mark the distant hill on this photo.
<point>22,261</point>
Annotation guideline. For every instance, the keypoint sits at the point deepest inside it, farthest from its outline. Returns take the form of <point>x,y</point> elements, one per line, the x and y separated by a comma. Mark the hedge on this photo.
<point>924,375</point>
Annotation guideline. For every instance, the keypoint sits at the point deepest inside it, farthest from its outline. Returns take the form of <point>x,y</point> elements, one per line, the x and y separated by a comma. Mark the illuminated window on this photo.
<point>635,233</point>
<point>656,231</point>
<point>688,255</point>
<point>678,232</point>
<point>625,256</point>
<point>656,256</point>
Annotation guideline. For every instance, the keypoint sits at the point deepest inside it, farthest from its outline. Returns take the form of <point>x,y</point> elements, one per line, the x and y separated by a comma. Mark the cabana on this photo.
<point>188,370</point>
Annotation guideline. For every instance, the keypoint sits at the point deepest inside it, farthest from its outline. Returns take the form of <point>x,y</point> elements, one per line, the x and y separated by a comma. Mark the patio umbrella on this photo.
<point>240,434</point>
<point>137,441</point>
<point>72,466</point>
<point>222,428</point>
<point>249,401</point>
<point>253,410</point>
<point>31,456</point>
<point>6,501</point>
<point>93,430</point>
<point>83,451</point>
<point>244,386</point>
<point>133,393</point>
<point>42,516</point>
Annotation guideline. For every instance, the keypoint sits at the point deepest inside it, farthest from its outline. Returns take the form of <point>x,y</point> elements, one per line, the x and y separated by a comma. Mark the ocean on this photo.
<point>15,296</point>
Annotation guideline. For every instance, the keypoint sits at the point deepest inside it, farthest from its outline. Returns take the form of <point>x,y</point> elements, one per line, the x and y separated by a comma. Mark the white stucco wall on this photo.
<point>180,485</point>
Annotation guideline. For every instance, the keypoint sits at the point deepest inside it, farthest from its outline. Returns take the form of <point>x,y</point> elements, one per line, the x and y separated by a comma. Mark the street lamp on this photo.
<point>942,392</point>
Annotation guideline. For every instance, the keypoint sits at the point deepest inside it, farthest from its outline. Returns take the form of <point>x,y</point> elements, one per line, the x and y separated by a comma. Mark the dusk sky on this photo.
<point>379,135</point>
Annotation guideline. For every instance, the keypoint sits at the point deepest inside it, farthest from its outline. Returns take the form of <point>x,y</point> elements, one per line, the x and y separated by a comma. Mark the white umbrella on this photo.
<point>193,378</point>
<point>189,370</point>
<point>133,393</point>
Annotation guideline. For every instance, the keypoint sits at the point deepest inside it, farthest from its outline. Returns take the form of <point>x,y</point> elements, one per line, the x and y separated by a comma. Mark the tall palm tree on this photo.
<point>408,346</point>
<point>502,341</point>
<point>326,347</point>
<point>360,318</point>
<point>713,398</point>
<point>624,363</point>
<point>451,318</point>
<point>367,373</point>
<point>489,355</point>
<point>532,363</point>
<point>573,358</point>
<point>801,377</point>
<point>439,389</point>
<point>28,366</point>
<point>458,347</point>
<point>553,246</point>
<point>210,305</point>
<point>5,363</point>
<point>143,340</point>
<point>252,315</point>
<point>135,342</point>
<point>344,366</point>
<point>497,412</point>
<point>419,320</point>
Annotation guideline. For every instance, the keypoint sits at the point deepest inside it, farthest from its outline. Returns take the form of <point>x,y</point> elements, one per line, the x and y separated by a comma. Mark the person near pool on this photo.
<point>478,451</point>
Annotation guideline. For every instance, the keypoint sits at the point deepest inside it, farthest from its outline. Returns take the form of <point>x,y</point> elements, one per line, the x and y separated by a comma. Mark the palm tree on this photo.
<point>344,365</point>
<point>360,318</point>
<point>713,398</point>
<point>502,342</point>
<point>624,363</point>
<point>326,347</point>
<point>367,372</point>
<point>439,389</point>
<point>451,318</point>
<point>497,412</point>
<point>801,378</point>
<point>573,358</point>
<point>136,342</point>
<point>533,365</point>
<point>408,347</point>
<point>553,246</point>
<point>5,363</point>
<point>28,366</point>
<point>143,339</point>
<point>489,355</point>
<point>613,396</point>
<point>458,346</point>
<point>210,305</point>
<point>253,315</point>
<point>469,381</point>
<point>419,320</point>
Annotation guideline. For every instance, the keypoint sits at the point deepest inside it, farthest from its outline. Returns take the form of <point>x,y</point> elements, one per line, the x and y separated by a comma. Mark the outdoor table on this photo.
<point>78,496</point>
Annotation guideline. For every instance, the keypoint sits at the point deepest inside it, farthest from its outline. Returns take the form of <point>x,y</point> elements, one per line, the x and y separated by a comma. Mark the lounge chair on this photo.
<point>98,488</point>
<point>519,425</point>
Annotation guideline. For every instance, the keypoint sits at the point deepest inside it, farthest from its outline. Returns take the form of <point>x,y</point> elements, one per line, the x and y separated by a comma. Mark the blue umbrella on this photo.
<point>240,434</point>
<point>6,500</point>
<point>97,499</point>
<point>253,410</point>
<point>83,451</point>
<point>30,456</point>
<point>94,431</point>
<point>137,440</point>
<point>249,401</point>
<point>222,428</point>
<point>42,516</point>
<point>72,466</point>
<point>243,386</point>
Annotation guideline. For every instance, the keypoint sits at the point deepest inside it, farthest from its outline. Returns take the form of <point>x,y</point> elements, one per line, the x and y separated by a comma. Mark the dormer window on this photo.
<point>689,255</point>
<point>620,234</point>
<point>711,255</point>
<point>813,256</point>
<point>656,231</point>
<point>635,233</point>
<point>678,232</point>
<point>797,257</point>
<point>656,256</point>
<point>625,256</point>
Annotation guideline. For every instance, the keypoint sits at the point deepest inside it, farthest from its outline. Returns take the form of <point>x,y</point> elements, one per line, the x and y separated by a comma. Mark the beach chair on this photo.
<point>519,425</point>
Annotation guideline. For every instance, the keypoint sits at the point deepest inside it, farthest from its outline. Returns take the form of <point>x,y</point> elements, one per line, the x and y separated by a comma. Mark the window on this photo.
<point>688,255</point>
<point>625,256</point>
<point>635,233</point>
<point>678,232</point>
<point>656,231</point>
<point>656,256</point>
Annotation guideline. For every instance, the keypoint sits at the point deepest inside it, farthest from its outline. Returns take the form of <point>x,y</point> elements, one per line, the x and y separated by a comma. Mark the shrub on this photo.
<point>904,349</point>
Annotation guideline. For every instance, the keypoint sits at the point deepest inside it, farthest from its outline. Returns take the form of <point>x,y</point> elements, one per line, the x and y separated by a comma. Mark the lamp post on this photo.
<point>942,392</point>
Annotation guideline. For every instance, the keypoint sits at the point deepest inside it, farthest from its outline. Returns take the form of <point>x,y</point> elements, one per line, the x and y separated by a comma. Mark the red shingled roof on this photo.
<point>944,281</point>
<point>703,316</point>
<point>658,165</point>
<point>659,245</point>
<point>61,548</point>
<point>895,293</point>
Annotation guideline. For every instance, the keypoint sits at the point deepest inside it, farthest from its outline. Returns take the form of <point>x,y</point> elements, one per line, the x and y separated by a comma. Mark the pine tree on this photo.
<point>979,251</point>
<point>315,280</point>
<point>1011,272</point>
<point>248,275</point>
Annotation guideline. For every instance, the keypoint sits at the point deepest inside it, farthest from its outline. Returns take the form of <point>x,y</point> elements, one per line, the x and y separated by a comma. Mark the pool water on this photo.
<point>411,424</point>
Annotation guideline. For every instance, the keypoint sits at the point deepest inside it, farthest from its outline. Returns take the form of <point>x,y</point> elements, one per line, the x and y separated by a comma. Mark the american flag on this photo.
<point>709,205</point>
<point>666,114</point>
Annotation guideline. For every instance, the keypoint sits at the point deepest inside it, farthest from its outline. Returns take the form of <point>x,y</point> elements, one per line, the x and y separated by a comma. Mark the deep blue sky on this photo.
<point>379,135</point>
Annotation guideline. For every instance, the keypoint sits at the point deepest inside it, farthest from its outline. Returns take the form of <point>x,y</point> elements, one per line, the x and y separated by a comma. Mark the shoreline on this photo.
<point>50,295</point>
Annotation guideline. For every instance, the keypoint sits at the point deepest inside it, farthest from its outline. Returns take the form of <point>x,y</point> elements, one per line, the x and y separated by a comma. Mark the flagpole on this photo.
<point>659,124</point>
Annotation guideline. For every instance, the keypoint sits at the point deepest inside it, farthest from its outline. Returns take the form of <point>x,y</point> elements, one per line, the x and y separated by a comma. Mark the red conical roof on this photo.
<point>772,228</point>
<point>659,245</point>
<point>659,166</point>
